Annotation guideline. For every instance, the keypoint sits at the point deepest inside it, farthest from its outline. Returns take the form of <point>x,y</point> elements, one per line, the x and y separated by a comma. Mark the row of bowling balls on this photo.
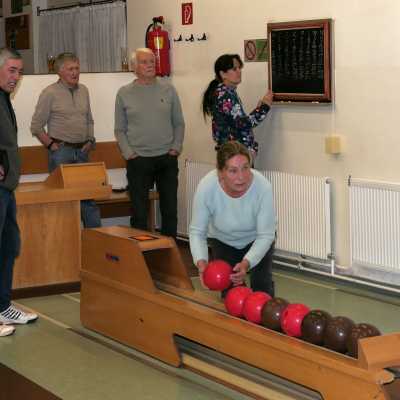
<point>318,327</point>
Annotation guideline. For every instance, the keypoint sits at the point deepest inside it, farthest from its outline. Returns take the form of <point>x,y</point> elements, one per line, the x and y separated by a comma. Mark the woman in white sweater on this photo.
<point>233,208</point>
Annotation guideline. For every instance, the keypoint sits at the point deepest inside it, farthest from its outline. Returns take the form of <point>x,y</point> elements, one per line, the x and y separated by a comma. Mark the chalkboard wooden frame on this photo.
<point>287,86</point>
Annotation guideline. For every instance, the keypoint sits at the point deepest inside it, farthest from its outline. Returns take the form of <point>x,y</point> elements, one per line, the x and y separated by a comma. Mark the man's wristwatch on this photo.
<point>50,144</point>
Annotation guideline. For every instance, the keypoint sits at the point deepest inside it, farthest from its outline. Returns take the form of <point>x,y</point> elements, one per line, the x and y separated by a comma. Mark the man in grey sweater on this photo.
<point>149,128</point>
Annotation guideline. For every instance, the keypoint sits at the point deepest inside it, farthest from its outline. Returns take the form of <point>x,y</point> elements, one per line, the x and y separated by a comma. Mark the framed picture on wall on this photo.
<point>300,66</point>
<point>17,32</point>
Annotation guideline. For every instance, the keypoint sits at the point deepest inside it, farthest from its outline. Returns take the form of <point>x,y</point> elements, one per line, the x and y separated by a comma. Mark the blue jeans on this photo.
<point>142,172</point>
<point>10,244</point>
<point>90,213</point>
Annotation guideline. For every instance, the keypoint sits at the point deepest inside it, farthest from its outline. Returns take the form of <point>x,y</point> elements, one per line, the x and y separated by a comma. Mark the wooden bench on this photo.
<point>34,161</point>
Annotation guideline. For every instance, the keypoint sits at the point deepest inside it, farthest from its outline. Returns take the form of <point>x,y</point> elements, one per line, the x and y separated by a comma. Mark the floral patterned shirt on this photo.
<point>229,120</point>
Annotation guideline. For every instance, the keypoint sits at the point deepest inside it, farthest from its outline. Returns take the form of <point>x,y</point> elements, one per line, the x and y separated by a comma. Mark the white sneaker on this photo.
<point>13,315</point>
<point>6,330</point>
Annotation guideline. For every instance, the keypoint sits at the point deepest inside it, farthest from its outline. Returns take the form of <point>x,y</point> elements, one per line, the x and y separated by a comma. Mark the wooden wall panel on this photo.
<point>34,158</point>
<point>51,244</point>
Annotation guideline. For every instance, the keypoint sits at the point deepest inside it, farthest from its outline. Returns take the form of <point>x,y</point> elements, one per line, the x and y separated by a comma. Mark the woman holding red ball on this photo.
<point>233,208</point>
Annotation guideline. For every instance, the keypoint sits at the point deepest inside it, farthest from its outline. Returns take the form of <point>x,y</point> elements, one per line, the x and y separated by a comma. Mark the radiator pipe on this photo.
<point>300,259</point>
<point>301,267</point>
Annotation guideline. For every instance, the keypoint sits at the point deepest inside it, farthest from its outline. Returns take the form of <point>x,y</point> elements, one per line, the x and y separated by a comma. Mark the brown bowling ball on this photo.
<point>359,331</point>
<point>314,325</point>
<point>271,313</point>
<point>337,332</point>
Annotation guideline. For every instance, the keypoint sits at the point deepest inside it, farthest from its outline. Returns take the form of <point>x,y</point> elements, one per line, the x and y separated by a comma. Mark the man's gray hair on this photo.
<point>135,53</point>
<point>8,54</point>
<point>62,58</point>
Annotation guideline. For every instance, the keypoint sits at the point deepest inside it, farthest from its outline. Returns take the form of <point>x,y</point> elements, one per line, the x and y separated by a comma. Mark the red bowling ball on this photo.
<point>235,298</point>
<point>254,305</point>
<point>216,276</point>
<point>292,318</point>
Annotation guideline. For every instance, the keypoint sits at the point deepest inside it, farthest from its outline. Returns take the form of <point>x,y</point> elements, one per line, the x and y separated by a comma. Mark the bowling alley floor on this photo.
<point>56,357</point>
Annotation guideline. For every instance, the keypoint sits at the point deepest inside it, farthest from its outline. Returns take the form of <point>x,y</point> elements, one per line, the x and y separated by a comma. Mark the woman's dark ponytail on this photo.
<point>209,98</point>
<point>223,63</point>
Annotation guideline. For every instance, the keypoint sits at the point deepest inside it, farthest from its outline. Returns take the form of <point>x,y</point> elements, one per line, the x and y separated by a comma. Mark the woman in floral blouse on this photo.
<point>222,103</point>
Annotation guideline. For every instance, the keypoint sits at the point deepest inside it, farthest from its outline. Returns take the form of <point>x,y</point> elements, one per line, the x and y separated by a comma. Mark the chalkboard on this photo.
<point>299,60</point>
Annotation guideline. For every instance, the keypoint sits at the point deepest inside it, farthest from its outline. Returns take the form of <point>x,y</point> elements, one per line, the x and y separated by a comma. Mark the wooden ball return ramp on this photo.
<point>136,290</point>
<point>50,223</point>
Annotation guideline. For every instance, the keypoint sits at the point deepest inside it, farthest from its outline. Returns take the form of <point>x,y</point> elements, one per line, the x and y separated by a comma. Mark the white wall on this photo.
<point>366,70</point>
<point>366,61</point>
<point>103,88</point>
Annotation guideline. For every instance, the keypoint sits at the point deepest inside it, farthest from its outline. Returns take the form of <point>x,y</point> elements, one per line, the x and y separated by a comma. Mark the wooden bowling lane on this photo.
<point>249,383</point>
<point>243,377</point>
<point>238,375</point>
<point>205,298</point>
<point>120,299</point>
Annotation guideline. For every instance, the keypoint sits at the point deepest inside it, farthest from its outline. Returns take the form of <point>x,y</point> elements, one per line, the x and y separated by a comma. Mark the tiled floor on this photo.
<point>73,363</point>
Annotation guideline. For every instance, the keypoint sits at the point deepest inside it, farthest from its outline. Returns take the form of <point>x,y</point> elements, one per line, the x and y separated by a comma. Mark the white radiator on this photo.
<point>194,172</point>
<point>303,209</point>
<point>375,224</point>
<point>302,204</point>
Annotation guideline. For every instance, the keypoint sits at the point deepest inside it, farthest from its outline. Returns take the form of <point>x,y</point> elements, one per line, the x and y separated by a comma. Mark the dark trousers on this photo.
<point>10,244</point>
<point>142,172</point>
<point>90,212</point>
<point>260,274</point>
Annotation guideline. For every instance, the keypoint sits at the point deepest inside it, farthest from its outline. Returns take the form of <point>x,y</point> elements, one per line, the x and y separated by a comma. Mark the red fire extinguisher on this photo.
<point>157,40</point>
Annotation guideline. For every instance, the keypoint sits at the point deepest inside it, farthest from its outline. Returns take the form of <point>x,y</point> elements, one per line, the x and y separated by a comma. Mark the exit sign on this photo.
<point>187,13</point>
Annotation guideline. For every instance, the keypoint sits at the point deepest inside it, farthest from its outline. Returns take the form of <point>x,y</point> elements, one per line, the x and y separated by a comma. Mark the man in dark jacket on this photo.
<point>10,73</point>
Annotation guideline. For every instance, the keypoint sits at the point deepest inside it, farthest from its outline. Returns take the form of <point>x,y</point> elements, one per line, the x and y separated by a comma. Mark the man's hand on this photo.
<point>45,139</point>
<point>87,147</point>
<point>173,152</point>
<point>240,270</point>
<point>54,146</point>
<point>2,173</point>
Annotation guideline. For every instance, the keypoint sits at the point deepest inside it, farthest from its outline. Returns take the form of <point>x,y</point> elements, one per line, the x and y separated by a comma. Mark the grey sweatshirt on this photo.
<point>65,111</point>
<point>148,119</point>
